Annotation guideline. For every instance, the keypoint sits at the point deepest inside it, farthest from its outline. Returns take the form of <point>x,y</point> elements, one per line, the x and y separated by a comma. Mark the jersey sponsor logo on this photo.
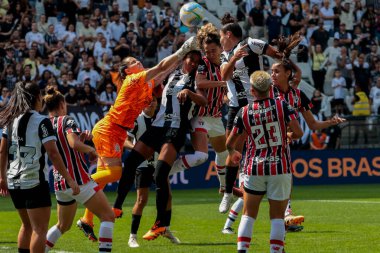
<point>173,90</point>
<point>262,110</point>
<point>70,122</point>
<point>240,72</point>
<point>258,44</point>
<point>241,94</point>
<point>271,159</point>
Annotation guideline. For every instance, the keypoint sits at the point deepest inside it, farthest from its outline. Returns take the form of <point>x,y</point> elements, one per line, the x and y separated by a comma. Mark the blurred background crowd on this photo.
<point>74,44</point>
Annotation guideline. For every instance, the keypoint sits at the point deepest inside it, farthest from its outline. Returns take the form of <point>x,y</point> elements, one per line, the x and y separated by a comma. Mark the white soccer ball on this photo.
<point>191,14</point>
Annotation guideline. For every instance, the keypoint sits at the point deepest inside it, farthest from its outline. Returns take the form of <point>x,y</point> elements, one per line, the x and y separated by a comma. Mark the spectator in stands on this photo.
<point>149,21</point>
<point>87,96</point>
<point>373,57</point>
<point>337,11</point>
<point>50,38</point>
<point>167,27</point>
<point>318,68</point>
<point>347,16</point>
<point>320,36</point>
<point>344,65</point>
<point>63,84</point>
<point>4,97</point>
<point>107,97</point>
<point>61,27</point>
<point>296,19</point>
<point>374,96</point>
<point>327,15</point>
<point>316,100</point>
<point>126,8</point>
<point>34,36</point>
<point>257,21</point>
<point>71,80</point>
<point>70,37</point>
<point>375,74</point>
<point>90,73</point>
<point>164,49</point>
<point>344,37</point>
<point>339,86</point>
<point>71,97</point>
<point>102,49</point>
<point>362,74</point>
<point>142,15</point>
<point>9,79</point>
<point>98,16</point>
<point>32,62</point>
<point>105,63</point>
<point>87,34</point>
<point>117,28</point>
<point>7,27</point>
<point>273,23</point>
<point>45,77</point>
<point>105,30</point>
<point>361,111</point>
<point>318,140</point>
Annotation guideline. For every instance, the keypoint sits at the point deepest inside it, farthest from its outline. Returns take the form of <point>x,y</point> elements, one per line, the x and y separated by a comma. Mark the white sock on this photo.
<point>188,161</point>
<point>288,210</point>
<point>277,234</point>
<point>245,232</point>
<point>52,237</point>
<point>220,162</point>
<point>234,212</point>
<point>105,236</point>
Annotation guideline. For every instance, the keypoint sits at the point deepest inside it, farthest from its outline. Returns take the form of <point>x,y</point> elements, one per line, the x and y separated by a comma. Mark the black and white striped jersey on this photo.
<point>27,156</point>
<point>172,113</point>
<point>142,124</point>
<point>239,86</point>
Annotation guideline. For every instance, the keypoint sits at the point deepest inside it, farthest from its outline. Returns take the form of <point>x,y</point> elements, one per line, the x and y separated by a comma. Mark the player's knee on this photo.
<point>201,157</point>
<point>107,215</point>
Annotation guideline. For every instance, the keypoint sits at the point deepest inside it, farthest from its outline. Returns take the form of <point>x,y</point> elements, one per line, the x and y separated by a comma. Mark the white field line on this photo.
<point>340,201</point>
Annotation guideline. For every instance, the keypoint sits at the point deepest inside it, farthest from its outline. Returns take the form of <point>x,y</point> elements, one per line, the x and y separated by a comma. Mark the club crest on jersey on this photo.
<point>45,132</point>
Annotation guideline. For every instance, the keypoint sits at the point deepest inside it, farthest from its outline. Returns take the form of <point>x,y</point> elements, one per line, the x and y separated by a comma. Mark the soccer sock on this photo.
<point>288,210</point>
<point>127,179</point>
<point>168,217</point>
<point>162,190</point>
<point>245,232</point>
<point>220,162</point>
<point>52,237</point>
<point>234,212</point>
<point>277,234</point>
<point>23,250</point>
<point>189,161</point>
<point>231,173</point>
<point>135,223</point>
<point>105,236</point>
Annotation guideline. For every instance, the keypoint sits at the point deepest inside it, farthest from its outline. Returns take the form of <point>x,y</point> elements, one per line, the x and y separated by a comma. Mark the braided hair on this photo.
<point>24,98</point>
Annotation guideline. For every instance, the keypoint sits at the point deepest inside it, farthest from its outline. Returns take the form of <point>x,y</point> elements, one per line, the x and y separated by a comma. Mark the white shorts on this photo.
<point>86,192</point>
<point>276,187</point>
<point>212,126</point>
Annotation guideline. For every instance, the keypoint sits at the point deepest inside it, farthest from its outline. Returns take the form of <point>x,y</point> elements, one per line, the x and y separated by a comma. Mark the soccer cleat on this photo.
<point>228,231</point>
<point>226,203</point>
<point>132,242</point>
<point>154,232</point>
<point>294,228</point>
<point>293,220</point>
<point>87,230</point>
<point>168,234</point>
<point>117,212</point>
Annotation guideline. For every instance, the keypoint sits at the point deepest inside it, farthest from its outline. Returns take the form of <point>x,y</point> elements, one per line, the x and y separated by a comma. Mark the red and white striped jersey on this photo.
<point>214,95</point>
<point>74,160</point>
<point>294,97</point>
<point>267,151</point>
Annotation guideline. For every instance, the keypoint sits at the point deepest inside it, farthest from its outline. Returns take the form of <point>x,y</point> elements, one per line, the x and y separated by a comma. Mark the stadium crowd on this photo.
<point>76,45</point>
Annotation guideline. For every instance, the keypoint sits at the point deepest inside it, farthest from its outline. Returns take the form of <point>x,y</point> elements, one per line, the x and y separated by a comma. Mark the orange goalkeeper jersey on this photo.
<point>134,95</point>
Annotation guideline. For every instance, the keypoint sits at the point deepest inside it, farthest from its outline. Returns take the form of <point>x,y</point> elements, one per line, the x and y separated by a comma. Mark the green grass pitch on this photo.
<point>344,218</point>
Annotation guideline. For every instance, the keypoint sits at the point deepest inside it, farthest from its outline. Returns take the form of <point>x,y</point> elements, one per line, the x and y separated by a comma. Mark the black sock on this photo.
<point>162,190</point>
<point>23,250</point>
<point>231,173</point>
<point>168,217</point>
<point>133,160</point>
<point>135,223</point>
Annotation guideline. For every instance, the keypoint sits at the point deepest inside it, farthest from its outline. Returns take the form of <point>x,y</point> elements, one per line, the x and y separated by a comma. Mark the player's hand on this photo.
<point>182,96</point>
<point>235,157</point>
<point>241,52</point>
<point>289,137</point>
<point>336,120</point>
<point>3,187</point>
<point>74,186</point>
<point>92,156</point>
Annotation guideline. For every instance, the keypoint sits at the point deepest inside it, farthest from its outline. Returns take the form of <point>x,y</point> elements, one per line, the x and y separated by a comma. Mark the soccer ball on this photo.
<point>191,14</point>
